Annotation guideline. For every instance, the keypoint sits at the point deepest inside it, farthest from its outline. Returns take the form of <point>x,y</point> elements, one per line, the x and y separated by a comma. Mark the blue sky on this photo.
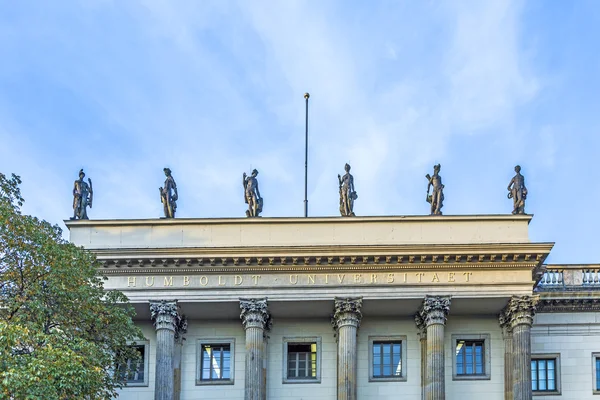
<point>215,88</point>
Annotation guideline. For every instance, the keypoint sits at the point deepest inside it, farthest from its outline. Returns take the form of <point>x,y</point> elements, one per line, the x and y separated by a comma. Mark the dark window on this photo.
<point>543,375</point>
<point>469,357</point>
<point>302,361</point>
<point>597,373</point>
<point>387,359</point>
<point>133,371</point>
<point>215,362</point>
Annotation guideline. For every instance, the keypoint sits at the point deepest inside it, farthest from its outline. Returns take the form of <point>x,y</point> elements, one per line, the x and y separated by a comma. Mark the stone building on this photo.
<point>415,307</point>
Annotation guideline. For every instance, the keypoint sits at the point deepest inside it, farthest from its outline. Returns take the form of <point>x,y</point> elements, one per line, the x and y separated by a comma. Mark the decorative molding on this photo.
<point>434,310</point>
<point>255,314</point>
<point>347,311</point>
<point>520,310</point>
<point>569,305</point>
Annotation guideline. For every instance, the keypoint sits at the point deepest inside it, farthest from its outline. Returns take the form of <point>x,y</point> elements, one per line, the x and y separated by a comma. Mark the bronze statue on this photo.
<point>168,195</point>
<point>436,198</point>
<point>347,193</point>
<point>252,195</point>
<point>83,195</point>
<point>517,191</point>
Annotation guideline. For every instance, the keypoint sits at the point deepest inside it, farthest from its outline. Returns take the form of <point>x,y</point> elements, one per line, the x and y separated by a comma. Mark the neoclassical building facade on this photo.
<point>413,307</point>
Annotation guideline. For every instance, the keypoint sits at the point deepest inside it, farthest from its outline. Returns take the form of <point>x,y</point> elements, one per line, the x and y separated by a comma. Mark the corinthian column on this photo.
<point>256,320</point>
<point>520,311</point>
<point>345,321</point>
<point>507,335</point>
<point>167,319</point>
<point>433,313</point>
<point>422,333</point>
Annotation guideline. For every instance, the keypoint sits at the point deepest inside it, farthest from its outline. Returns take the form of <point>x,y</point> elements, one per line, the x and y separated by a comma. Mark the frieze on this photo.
<point>139,282</point>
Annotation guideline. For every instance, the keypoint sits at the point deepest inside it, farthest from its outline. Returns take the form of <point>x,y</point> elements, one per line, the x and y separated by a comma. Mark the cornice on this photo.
<point>310,220</point>
<point>325,258</point>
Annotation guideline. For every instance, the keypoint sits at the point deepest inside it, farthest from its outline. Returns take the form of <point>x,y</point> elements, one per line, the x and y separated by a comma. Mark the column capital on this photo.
<point>165,315</point>
<point>434,310</point>
<point>519,311</point>
<point>347,311</point>
<point>421,326</point>
<point>505,324</point>
<point>255,314</point>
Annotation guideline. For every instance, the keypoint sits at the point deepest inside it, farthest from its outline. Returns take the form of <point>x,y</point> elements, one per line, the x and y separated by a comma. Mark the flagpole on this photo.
<point>306,96</point>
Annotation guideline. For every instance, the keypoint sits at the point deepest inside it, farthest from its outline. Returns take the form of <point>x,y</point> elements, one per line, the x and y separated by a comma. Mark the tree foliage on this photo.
<point>61,333</point>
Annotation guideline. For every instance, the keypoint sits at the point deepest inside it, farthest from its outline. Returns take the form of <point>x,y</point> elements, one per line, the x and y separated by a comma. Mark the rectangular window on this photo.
<point>135,371</point>
<point>215,362</point>
<point>543,375</point>
<point>470,357</point>
<point>387,359</point>
<point>597,373</point>
<point>302,361</point>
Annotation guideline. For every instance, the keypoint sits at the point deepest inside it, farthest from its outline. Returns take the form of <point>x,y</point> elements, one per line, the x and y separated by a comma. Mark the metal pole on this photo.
<point>306,96</point>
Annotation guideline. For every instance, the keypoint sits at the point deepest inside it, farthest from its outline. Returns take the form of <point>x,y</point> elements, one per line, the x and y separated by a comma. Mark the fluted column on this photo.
<point>520,311</point>
<point>507,336</point>
<point>166,318</point>
<point>256,320</point>
<point>422,333</point>
<point>346,320</point>
<point>434,312</point>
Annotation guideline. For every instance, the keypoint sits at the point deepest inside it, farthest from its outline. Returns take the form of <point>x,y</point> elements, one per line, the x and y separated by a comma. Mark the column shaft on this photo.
<point>165,344</point>
<point>522,362</point>
<point>347,362</point>
<point>346,320</point>
<point>435,388</point>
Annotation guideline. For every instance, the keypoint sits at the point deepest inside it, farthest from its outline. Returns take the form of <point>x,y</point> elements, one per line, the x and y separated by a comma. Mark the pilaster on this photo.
<point>433,313</point>
<point>507,336</point>
<point>346,320</point>
<point>167,321</point>
<point>422,334</point>
<point>256,321</point>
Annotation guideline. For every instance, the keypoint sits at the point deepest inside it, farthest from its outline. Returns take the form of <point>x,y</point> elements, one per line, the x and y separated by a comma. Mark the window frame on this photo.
<point>556,358</point>
<point>595,356</point>
<point>301,340</point>
<point>145,362</point>
<point>403,356</point>
<point>487,352</point>
<point>215,341</point>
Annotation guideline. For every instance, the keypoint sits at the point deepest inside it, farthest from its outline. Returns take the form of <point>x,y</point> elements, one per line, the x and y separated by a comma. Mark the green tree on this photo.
<point>61,333</point>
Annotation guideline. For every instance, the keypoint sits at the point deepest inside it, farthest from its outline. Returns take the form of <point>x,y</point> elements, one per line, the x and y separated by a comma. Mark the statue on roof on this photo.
<point>517,191</point>
<point>252,194</point>
<point>347,193</point>
<point>83,195</point>
<point>168,194</point>
<point>436,198</point>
